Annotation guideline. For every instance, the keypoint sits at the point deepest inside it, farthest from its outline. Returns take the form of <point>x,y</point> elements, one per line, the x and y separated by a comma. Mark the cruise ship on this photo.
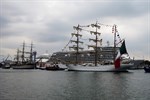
<point>105,56</point>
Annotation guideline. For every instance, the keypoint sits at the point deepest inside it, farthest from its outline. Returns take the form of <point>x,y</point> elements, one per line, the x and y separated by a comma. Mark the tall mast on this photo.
<point>76,47</point>
<point>17,57</point>
<point>77,28</point>
<point>23,51</point>
<point>95,40</point>
<point>31,52</point>
<point>96,47</point>
<point>114,31</point>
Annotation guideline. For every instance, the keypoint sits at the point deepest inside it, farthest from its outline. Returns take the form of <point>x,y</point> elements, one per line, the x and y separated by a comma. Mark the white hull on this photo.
<point>99,68</point>
<point>62,66</point>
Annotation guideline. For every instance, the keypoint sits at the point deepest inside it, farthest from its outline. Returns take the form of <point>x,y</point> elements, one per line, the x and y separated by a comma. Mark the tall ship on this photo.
<point>25,59</point>
<point>99,58</point>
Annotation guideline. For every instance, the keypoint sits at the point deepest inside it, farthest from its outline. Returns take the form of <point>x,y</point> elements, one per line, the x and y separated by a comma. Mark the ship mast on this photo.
<point>96,40</point>
<point>31,52</point>
<point>23,52</point>
<point>96,46</point>
<point>17,57</point>
<point>76,47</point>
<point>114,30</point>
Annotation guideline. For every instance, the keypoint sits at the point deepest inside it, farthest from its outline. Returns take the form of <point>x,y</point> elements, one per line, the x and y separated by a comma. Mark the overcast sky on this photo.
<point>49,23</point>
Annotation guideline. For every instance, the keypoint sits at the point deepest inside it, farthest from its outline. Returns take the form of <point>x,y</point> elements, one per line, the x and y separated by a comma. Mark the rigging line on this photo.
<point>90,31</point>
<point>105,25</point>
<point>85,30</point>
<point>99,24</point>
<point>67,43</point>
<point>84,39</point>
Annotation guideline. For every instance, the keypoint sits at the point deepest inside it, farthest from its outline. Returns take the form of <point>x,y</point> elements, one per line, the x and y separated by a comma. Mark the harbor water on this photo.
<point>70,85</point>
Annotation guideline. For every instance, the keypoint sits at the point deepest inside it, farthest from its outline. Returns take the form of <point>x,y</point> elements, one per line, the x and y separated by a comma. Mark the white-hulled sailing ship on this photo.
<point>117,66</point>
<point>23,62</point>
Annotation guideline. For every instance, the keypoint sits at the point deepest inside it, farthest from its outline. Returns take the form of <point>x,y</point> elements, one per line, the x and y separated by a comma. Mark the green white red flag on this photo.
<point>121,51</point>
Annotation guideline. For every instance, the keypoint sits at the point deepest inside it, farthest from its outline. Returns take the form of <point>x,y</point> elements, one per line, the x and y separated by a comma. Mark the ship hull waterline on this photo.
<point>29,66</point>
<point>99,68</point>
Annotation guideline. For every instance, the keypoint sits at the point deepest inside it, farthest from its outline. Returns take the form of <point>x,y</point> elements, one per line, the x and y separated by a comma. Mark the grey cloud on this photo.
<point>95,10</point>
<point>57,28</point>
<point>53,34</point>
<point>11,8</point>
<point>50,38</point>
<point>58,25</point>
<point>3,21</point>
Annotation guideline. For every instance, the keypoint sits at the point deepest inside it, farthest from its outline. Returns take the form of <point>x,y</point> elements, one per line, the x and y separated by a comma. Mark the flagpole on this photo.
<point>114,30</point>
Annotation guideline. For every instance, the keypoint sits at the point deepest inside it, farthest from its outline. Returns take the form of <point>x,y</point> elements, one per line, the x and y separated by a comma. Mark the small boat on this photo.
<point>147,69</point>
<point>1,65</point>
<point>53,67</point>
<point>5,65</point>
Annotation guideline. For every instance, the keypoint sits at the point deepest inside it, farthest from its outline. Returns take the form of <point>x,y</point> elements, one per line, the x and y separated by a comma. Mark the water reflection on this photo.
<point>64,85</point>
<point>97,85</point>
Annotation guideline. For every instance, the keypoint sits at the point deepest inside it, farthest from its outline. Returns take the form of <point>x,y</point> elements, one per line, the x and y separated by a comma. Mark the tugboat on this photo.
<point>147,66</point>
<point>147,69</point>
<point>53,66</point>
<point>6,64</point>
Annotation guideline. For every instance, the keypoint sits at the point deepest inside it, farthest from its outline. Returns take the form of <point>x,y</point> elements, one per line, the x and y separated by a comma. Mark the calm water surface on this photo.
<point>65,85</point>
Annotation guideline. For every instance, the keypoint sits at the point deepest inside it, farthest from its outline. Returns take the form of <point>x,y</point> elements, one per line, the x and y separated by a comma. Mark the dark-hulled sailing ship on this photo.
<point>23,61</point>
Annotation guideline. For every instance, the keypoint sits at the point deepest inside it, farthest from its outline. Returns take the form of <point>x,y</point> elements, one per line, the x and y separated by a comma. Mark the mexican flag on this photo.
<point>121,51</point>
